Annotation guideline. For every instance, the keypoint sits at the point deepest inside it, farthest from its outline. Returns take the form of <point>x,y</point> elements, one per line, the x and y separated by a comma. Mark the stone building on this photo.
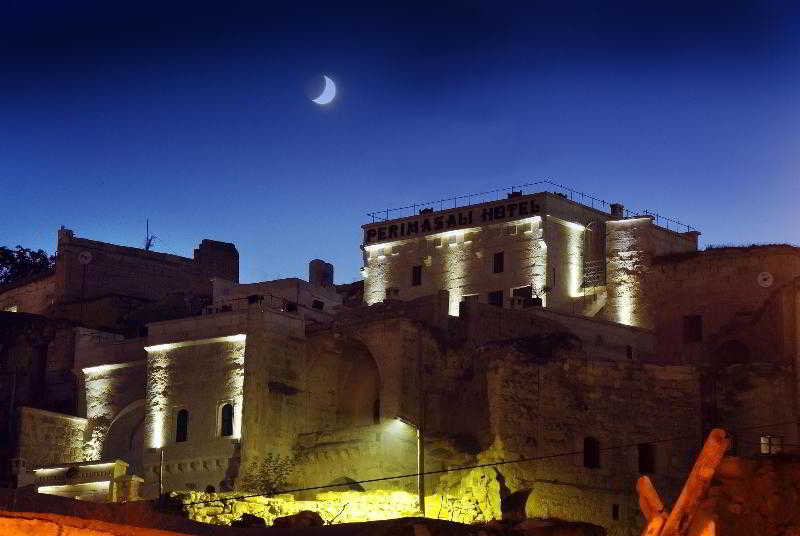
<point>543,248</point>
<point>587,347</point>
<point>99,285</point>
<point>93,285</point>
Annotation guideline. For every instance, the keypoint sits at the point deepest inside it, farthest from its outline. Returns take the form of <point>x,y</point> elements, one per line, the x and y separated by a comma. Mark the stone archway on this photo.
<point>344,385</point>
<point>125,437</point>
<point>359,389</point>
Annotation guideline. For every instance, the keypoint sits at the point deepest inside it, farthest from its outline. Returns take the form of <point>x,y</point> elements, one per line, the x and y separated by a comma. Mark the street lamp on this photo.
<point>420,462</point>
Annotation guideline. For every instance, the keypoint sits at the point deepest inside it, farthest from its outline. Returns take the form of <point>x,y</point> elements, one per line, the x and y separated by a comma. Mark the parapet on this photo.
<point>218,259</point>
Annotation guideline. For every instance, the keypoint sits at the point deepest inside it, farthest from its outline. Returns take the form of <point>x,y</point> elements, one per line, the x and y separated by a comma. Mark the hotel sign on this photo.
<point>437,222</point>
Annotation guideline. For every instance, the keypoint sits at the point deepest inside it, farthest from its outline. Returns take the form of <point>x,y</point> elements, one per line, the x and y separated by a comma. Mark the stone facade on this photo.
<point>95,285</point>
<point>560,249</point>
<point>98,284</point>
<point>640,344</point>
<point>47,438</point>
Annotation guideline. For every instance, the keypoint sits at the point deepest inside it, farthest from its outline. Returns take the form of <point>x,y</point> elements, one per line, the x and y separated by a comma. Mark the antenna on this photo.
<point>149,239</point>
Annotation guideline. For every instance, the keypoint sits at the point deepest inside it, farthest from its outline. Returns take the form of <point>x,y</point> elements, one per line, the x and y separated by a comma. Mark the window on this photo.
<point>615,512</point>
<point>771,444</point>
<point>523,292</point>
<point>591,452</point>
<point>496,298</point>
<point>416,276</point>
<point>319,305</point>
<point>376,411</point>
<point>693,328</point>
<point>12,309</point>
<point>629,351</point>
<point>647,458</point>
<point>182,426</point>
<point>226,420</point>
<point>497,263</point>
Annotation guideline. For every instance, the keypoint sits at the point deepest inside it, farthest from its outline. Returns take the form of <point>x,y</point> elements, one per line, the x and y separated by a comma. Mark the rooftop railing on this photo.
<point>525,189</point>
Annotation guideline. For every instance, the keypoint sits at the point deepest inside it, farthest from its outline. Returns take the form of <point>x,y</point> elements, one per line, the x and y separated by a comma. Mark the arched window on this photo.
<point>647,458</point>
<point>591,452</point>
<point>732,353</point>
<point>226,420</point>
<point>376,411</point>
<point>182,426</point>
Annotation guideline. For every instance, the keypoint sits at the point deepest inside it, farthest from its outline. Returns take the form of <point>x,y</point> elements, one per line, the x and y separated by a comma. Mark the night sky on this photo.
<point>198,116</point>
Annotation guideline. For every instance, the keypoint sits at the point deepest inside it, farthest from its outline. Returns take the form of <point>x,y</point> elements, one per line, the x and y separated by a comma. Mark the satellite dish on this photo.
<point>84,257</point>
<point>765,279</point>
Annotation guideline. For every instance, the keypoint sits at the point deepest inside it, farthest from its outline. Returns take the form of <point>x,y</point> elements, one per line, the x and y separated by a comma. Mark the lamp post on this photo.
<point>420,463</point>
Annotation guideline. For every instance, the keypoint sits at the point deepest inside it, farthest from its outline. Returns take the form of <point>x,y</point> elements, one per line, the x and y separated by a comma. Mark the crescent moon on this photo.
<point>328,93</point>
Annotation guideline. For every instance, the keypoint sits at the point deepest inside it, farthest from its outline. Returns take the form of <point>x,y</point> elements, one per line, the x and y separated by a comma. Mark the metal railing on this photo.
<point>526,188</point>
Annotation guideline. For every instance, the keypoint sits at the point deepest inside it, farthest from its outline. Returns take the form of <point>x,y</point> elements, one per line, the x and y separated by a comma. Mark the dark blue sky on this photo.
<point>197,116</point>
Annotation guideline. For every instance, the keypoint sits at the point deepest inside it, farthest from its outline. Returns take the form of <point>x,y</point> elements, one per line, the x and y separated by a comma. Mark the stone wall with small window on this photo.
<point>728,304</point>
<point>475,261</point>
<point>188,383</point>
<point>618,418</point>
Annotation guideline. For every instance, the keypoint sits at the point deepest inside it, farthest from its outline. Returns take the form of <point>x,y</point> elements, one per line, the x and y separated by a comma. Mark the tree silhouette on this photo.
<point>20,263</point>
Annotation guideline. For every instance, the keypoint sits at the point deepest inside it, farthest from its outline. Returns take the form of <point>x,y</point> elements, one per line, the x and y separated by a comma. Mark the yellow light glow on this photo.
<point>625,256</point>
<point>46,471</point>
<point>99,369</point>
<point>70,489</point>
<point>98,466</point>
<point>49,471</point>
<point>448,234</point>
<point>160,347</point>
<point>625,305</point>
<point>159,406</point>
<point>454,266</point>
<point>241,337</point>
<point>537,256</point>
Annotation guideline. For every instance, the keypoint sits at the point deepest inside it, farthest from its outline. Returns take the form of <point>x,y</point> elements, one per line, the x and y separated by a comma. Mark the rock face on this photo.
<point>303,519</point>
<point>543,527</point>
<point>756,496</point>
<point>248,521</point>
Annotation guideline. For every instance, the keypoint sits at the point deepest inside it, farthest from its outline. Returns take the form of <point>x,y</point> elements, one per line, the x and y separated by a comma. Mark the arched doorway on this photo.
<point>344,386</point>
<point>125,437</point>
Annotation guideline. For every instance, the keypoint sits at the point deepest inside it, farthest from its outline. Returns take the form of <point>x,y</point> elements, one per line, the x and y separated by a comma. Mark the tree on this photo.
<point>270,476</point>
<point>19,263</point>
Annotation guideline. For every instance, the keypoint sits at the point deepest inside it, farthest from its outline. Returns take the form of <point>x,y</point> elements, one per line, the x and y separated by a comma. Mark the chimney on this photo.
<point>617,211</point>
<point>65,235</point>
<point>693,237</point>
<point>514,194</point>
<point>320,273</point>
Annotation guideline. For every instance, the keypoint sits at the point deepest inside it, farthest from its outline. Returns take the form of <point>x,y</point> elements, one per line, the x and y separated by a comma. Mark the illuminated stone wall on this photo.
<point>200,376</point>
<point>459,262</point>
<point>631,245</point>
<point>339,507</point>
<point>47,438</point>
<point>273,370</point>
<point>110,390</point>
<point>545,249</point>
